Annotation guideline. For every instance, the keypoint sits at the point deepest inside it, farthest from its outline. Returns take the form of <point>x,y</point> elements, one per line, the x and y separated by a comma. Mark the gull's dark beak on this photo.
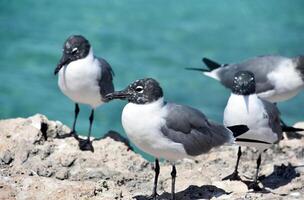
<point>63,61</point>
<point>124,94</point>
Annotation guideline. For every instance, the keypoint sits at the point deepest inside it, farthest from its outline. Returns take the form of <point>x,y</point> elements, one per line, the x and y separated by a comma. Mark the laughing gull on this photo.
<point>83,78</point>
<point>168,130</point>
<point>262,118</point>
<point>277,78</point>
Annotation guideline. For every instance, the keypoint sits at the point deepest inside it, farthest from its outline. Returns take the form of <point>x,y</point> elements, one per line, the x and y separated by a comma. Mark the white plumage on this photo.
<point>79,80</point>
<point>250,110</point>
<point>142,123</point>
<point>286,80</point>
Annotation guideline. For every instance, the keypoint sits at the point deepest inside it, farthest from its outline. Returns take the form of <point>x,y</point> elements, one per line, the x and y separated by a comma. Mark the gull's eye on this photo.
<point>139,89</point>
<point>74,50</point>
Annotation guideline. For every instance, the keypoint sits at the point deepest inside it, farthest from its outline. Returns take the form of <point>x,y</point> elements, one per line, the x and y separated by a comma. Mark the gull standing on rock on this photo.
<point>83,78</point>
<point>277,78</point>
<point>262,118</point>
<point>168,130</point>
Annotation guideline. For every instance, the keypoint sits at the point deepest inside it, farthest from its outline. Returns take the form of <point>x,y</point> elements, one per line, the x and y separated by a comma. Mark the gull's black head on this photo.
<point>75,47</point>
<point>243,83</point>
<point>141,91</point>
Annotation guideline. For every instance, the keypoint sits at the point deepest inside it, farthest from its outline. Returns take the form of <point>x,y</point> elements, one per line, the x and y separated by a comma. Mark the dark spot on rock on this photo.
<point>43,129</point>
<point>105,185</point>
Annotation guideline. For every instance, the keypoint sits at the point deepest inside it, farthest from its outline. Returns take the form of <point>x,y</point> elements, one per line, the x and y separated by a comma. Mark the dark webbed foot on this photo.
<point>233,177</point>
<point>85,145</point>
<point>254,186</point>
<point>153,196</point>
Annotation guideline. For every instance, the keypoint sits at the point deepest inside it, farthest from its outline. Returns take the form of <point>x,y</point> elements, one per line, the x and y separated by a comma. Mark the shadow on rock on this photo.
<point>281,175</point>
<point>118,138</point>
<point>83,144</point>
<point>191,193</point>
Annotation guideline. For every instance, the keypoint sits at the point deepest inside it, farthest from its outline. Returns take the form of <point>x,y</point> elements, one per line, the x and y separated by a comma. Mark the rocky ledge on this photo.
<point>37,161</point>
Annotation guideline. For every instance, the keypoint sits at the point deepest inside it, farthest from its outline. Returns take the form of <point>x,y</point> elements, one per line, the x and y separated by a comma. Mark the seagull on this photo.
<point>262,118</point>
<point>277,78</point>
<point>84,78</point>
<point>168,130</point>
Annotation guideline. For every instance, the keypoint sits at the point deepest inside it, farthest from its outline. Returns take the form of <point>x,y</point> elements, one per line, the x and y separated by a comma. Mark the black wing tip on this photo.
<point>291,129</point>
<point>205,60</point>
<point>238,130</point>
<point>197,69</point>
<point>211,64</point>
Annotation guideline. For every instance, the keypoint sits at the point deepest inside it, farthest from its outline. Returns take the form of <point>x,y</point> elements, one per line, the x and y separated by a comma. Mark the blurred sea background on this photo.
<point>140,39</point>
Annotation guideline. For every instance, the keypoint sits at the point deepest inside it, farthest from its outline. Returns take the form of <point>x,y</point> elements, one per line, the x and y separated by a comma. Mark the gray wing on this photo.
<point>274,118</point>
<point>260,66</point>
<point>191,128</point>
<point>106,79</point>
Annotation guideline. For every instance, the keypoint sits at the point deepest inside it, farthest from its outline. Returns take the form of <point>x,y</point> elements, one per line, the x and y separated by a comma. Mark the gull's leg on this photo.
<point>173,175</point>
<point>73,132</point>
<point>235,174</point>
<point>91,119</point>
<point>86,145</point>
<point>156,169</point>
<point>255,185</point>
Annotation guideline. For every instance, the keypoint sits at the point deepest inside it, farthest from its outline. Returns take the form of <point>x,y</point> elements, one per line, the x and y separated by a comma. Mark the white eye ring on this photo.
<point>74,50</point>
<point>139,89</point>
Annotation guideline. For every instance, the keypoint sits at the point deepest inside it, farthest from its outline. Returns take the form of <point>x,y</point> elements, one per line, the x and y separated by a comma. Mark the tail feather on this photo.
<point>291,129</point>
<point>238,130</point>
<point>197,69</point>
<point>211,64</point>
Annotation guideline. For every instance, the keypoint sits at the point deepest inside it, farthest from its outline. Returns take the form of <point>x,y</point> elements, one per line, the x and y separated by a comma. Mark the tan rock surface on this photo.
<point>36,164</point>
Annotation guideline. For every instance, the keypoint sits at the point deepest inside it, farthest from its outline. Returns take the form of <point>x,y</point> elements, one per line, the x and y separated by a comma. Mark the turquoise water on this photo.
<point>140,39</point>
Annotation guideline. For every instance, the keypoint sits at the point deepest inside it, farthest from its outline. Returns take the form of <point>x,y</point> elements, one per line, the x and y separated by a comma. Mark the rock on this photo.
<point>6,157</point>
<point>38,160</point>
<point>67,160</point>
<point>7,191</point>
<point>62,174</point>
<point>232,186</point>
<point>45,171</point>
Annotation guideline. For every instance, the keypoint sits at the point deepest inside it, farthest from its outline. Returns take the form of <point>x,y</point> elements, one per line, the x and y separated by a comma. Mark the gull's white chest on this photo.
<point>142,124</point>
<point>250,111</point>
<point>79,81</point>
